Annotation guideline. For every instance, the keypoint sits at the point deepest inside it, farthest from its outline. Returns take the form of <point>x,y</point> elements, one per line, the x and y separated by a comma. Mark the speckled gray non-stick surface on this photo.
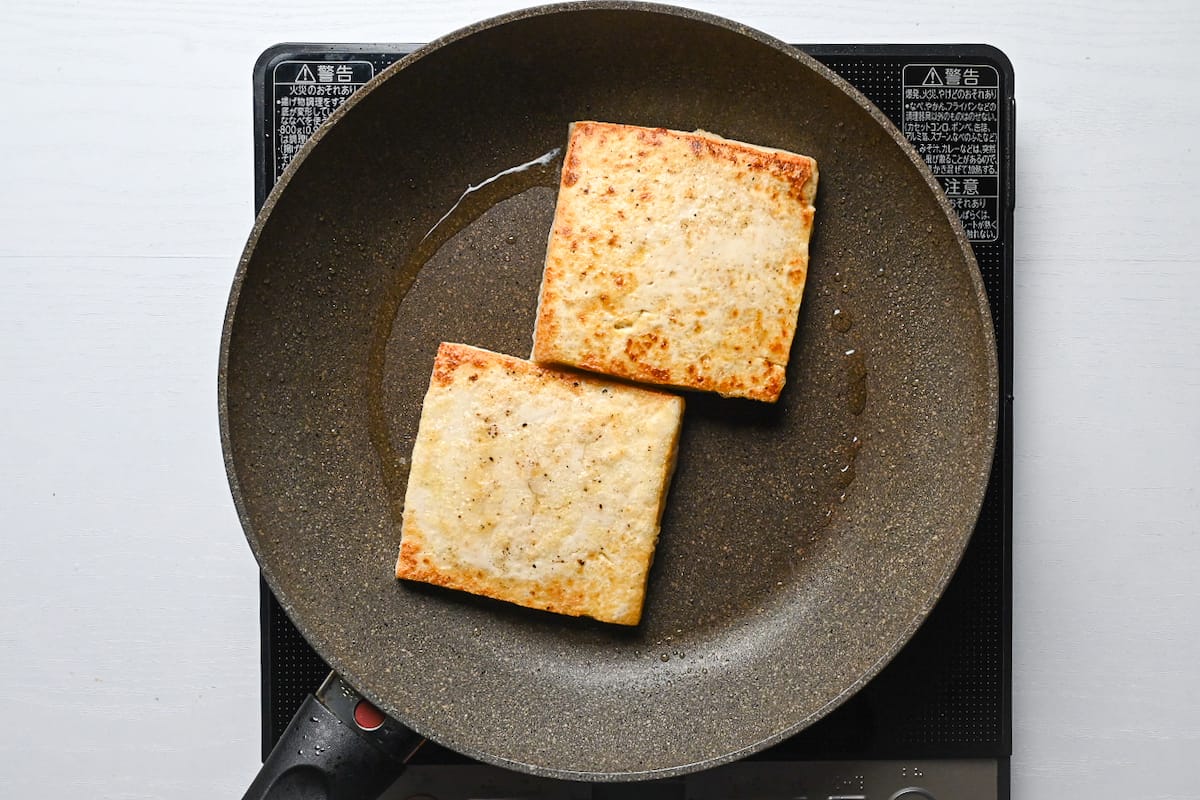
<point>803,543</point>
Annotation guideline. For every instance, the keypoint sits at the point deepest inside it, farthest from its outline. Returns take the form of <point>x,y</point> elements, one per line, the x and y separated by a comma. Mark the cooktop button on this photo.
<point>913,793</point>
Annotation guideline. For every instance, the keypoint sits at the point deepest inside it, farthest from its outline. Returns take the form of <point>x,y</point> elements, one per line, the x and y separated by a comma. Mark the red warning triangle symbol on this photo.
<point>305,75</point>
<point>931,78</point>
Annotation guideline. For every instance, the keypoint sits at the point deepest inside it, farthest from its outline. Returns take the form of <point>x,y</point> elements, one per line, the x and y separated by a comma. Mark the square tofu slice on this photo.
<point>537,486</point>
<point>676,259</point>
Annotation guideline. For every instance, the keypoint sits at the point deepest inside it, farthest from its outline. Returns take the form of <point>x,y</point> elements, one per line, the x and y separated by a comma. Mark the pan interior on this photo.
<point>802,543</point>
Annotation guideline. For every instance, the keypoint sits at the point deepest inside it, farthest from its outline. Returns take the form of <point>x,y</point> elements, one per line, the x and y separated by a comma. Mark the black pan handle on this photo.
<point>337,747</point>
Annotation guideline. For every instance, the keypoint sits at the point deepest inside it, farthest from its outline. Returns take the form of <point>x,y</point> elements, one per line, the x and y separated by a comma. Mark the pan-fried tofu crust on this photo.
<point>676,259</point>
<point>538,486</point>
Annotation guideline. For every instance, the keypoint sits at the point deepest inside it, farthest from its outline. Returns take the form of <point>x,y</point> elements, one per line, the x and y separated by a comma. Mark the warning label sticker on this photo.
<point>305,94</point>
<point>951,114</point>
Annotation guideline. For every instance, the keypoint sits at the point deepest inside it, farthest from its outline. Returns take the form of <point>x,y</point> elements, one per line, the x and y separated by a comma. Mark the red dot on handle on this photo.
<point>368,717</point>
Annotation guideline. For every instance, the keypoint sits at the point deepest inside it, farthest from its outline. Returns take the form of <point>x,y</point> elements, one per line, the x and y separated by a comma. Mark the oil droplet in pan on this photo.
<point>856,381</point>
<point>841,320</point>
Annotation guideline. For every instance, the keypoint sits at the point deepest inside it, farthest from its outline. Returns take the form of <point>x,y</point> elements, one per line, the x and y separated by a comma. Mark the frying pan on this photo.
<point>803,542</point>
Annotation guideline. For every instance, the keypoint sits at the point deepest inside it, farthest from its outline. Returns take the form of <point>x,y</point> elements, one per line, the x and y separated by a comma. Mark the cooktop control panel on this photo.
<point>941,779</point>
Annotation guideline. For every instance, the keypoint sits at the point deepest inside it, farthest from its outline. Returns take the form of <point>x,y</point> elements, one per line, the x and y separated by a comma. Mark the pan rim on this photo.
<point>974,276</point>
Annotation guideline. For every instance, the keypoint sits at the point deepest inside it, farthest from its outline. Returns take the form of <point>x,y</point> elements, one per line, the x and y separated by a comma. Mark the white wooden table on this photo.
<point>128,603</point>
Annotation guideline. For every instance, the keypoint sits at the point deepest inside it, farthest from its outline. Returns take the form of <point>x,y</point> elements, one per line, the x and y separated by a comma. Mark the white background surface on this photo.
<point>128,602</point>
